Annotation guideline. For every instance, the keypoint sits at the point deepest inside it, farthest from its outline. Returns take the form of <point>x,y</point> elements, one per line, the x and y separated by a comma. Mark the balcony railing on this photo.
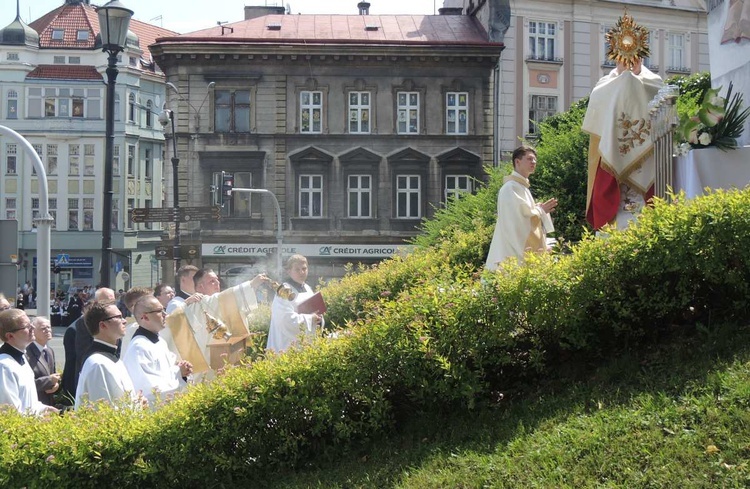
<point>544,59</point>
<point>678,69</point>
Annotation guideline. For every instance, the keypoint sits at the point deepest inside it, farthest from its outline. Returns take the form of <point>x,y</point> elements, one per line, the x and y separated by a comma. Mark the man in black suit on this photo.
<point>41,358</point>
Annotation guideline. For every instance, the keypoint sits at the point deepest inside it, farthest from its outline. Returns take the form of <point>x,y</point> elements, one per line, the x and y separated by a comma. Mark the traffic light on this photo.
<point>227,184</point>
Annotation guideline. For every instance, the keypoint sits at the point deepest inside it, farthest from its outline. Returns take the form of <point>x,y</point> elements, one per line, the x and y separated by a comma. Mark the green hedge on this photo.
<point>440,337</point>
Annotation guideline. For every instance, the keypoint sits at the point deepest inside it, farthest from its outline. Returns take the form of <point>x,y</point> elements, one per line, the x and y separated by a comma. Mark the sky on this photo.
<point>186,16</point>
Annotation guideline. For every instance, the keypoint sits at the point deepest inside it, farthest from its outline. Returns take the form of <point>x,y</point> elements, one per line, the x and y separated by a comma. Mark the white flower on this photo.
<point>704,139</point>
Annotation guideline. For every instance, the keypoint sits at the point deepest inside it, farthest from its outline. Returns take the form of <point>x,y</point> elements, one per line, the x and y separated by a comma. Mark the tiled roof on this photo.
<point>360,29</point>
<point>65,72</point>
<point>147,35</point>
<point>72,18</point>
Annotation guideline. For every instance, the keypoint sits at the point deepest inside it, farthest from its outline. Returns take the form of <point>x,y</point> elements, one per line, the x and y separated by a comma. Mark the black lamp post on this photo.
<point>114,20</point>
<point>164,118</point>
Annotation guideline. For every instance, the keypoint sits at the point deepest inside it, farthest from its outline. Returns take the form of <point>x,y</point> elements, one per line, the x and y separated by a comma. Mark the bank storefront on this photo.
<point>237,262</point>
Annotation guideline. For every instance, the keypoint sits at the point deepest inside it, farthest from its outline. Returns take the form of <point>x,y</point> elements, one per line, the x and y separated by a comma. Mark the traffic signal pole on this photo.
<point>279,233</point>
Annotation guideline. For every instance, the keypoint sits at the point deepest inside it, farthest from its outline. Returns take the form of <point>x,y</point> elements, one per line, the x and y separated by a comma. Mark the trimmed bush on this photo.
<point>439,339</point>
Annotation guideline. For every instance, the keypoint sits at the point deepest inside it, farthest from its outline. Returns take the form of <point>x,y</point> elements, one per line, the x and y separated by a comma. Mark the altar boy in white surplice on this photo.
<point>522,224</point>
<point>153,369</point>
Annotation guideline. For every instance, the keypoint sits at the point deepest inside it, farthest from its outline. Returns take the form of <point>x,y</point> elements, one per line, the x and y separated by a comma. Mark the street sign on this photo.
<point>190,252</point>
<point>154,214</point>
<point>164,252</point>
<point>170,214</point>
<point>188,214</point>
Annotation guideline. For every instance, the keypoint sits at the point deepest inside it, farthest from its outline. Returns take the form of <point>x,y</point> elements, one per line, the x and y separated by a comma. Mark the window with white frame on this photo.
<point>131,206</point>
<point>149,113</point>
<point>131,107</point>
<point>82,35</point>
<point>89,158</point>
<point>408,112</point>
<point>359,194</point>
<point>116,160</point>
<point>88,214</point>
<point>311,112</point>
<point>51,159</point>
<point>74,60</point>
<point>115,214</point>
<point>10,207</point>
<point>456,186</point>
<point>147,224</point>
<point>52,204</point>
<point>64,102</point>
<point>311,196</point>
<point>74,160</point>
<point>542,40</point>
<point>58,34</point>
<point>74,214</point>
<point>34,211</point>
<point>12,56</point>
<point>147,164</point>
<point>408,197</point>
<point>232,110</point>
<point>457,113</point>
<point>58,60</point>
<point>540,107</point>
<point>131,160</point>
<point>676,51</point>
<point>11,158</point>
<point>359,112</point>
<point>12,112</point>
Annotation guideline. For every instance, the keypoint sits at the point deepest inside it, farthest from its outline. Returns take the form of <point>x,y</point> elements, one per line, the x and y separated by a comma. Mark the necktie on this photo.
<point>45,354</point>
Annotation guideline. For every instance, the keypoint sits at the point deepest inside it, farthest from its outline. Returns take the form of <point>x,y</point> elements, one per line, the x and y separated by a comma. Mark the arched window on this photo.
<point>12,104</point>
<point>131,107</point>
<point>149,109</point>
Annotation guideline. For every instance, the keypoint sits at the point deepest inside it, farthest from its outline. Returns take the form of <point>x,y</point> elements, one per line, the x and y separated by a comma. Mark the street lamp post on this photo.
<point>168,117</point>
<point>114,20</point>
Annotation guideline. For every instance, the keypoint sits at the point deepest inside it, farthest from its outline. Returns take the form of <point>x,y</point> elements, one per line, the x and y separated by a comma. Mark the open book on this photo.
<point>312,305</point>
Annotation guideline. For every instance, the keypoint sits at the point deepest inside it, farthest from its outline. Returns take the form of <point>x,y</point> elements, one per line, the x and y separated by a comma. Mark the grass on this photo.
<point>673,415</point>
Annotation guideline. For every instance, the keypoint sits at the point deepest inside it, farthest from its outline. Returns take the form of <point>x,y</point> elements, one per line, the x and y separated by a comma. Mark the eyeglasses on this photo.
<point>118,317</point>
<point>159,311</point>
<point>29,326</point>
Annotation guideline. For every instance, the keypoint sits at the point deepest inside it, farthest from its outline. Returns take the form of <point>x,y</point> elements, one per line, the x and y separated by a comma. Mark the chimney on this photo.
<point>364,8</point>
<point>255,11</point>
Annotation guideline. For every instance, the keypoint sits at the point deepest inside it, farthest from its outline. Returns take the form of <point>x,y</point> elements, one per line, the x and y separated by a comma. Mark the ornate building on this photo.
<point>556,50</point>
<point>53,91</point>
<point>360,125</point>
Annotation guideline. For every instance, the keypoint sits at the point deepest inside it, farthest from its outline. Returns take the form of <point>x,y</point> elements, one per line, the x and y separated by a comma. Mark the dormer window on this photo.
<point>58,34</point>
<point>82,35</point>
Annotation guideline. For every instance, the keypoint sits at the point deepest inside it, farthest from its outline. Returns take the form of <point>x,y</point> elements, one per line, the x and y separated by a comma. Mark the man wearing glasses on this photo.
<point>152,367</point>
<point>17,386</point>
<point>104,376</point>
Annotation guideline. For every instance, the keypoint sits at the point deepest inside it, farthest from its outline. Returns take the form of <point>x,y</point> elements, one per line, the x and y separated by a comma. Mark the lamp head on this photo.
<point>164,117</point>
<point>114,20</point>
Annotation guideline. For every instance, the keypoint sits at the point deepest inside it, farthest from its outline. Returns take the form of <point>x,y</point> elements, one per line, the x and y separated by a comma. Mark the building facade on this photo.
<point>360,125</point>
<point>53,92</point>
<point>556,50</point>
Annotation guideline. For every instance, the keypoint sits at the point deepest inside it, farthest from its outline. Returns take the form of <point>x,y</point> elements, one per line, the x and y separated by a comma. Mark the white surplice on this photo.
<point>521,224</point>
<point>152,367</point>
